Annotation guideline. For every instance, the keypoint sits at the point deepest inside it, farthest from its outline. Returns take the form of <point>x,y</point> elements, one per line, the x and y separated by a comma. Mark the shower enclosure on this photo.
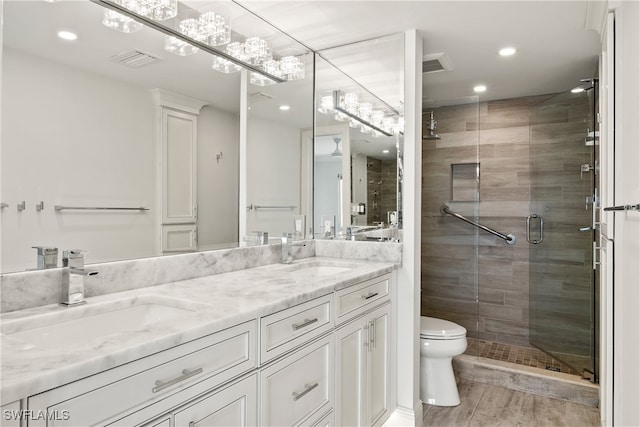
<point>561,232</point>
<point>523,167</point>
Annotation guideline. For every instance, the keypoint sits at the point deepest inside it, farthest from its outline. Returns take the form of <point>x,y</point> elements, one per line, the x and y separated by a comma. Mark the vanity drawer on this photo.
<point>357,299</point>
<point>287,329</point>
<point>298,386</point>
<point>93,400</point>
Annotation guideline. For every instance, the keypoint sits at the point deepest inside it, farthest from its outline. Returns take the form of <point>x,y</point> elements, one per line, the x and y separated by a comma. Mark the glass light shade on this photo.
<point>236,50</point>
<point>161,10</point>
<point>190,27</point>
<point>326,104</point>
<point>272,66</point>
<point>224,65</point>
<point>119,22</point>
<point>292,68</point>
<point>377,117</point>
<point>257,51</point>
<point>260,80</point>
<point>364,111</point>
<point>178,47</point>
<point>214,29</point>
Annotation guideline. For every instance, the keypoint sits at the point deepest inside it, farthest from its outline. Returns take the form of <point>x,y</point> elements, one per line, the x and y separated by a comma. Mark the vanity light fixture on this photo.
<point>479,88</point>
<point>348,107</point>
<point>507,51</point>
<point>67,35</point>
<point>209,31</point>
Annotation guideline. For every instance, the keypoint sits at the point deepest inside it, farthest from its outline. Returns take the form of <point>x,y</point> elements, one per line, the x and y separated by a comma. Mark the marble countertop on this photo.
<point>217,302</point>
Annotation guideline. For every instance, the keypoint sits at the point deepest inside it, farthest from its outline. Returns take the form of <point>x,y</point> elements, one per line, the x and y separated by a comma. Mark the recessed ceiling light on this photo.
<point>285,107</point>
<point>67,35</point>
<point>480,88</point>
<point>507,51</point>
<point>385,151</point>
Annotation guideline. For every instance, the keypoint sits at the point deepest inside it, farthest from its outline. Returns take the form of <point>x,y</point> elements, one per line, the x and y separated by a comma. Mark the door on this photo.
<point>379,364</point>
<point>560,228</point>
<point>351,373</point>
<point>234,406</point>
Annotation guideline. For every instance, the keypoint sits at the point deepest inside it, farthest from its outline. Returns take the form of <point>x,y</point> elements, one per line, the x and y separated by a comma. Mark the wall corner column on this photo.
<point>409,406</point>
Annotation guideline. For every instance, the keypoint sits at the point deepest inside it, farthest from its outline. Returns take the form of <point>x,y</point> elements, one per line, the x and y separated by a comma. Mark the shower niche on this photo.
<point>465,182</point>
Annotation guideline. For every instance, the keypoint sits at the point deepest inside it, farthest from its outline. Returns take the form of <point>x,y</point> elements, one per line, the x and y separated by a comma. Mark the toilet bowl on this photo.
<point>440,340</point>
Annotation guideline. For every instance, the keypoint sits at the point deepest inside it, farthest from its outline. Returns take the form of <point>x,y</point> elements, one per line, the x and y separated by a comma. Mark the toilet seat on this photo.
<point>440,329</point>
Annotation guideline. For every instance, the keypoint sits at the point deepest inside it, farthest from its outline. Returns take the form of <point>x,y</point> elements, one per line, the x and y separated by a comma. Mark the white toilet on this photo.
<point>440,340</point>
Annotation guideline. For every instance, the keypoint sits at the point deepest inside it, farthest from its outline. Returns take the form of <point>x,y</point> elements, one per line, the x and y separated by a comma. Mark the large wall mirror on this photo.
<point>80,129</point>
<point>359,140</point>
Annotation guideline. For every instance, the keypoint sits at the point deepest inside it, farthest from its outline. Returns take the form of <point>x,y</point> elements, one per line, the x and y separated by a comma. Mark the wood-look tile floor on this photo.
<point>489,405</point>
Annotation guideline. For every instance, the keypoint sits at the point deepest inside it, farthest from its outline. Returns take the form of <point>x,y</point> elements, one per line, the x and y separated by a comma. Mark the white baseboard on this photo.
<point>404,417</point>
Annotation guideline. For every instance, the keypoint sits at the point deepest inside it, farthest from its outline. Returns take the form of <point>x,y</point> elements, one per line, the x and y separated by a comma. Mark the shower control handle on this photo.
<point>541,232</point>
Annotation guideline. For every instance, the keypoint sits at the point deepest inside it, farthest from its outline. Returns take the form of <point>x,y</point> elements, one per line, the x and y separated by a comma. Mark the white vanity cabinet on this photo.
<point>151,385</point>
<point>11,414</point>
<point>364,356</point>
<point>324,362</point>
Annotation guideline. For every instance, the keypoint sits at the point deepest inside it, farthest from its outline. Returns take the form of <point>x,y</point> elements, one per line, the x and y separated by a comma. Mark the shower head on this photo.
<point>431,128</point>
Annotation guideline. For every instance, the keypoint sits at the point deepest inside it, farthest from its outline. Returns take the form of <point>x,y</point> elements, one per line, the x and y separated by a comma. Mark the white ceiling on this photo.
<point>554,48</point>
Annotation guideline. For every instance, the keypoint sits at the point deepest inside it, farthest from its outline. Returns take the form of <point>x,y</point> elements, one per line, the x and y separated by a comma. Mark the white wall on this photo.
<point>74,138</point>
<point>273,175</point>
<point>218,132</point>
<point>626,286</point>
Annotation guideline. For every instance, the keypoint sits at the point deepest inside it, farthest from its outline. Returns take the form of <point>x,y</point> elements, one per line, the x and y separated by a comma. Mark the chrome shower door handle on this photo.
<point>541,232</point>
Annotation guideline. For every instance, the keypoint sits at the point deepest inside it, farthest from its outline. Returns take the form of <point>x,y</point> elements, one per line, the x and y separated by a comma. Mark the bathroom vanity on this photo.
<point>308,343</point>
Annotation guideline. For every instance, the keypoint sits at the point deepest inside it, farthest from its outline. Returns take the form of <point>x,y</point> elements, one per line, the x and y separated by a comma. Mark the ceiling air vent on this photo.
<point>436,62</point>
<point>134,58</point>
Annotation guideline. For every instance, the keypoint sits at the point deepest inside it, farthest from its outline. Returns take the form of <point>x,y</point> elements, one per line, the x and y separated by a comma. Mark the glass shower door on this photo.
<point>562,312</point>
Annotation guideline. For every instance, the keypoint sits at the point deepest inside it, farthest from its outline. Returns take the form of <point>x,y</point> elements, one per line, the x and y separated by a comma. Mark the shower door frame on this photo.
<point>555,263</point>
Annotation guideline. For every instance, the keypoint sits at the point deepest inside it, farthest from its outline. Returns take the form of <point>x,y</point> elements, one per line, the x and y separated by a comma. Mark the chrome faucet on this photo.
<point>73,277</point>
<point>287,248</point>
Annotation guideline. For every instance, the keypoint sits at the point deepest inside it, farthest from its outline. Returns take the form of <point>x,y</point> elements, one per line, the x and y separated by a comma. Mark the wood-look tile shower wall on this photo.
<point>470,276</point>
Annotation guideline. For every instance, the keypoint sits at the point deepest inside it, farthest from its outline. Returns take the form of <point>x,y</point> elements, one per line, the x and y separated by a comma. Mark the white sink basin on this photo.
<point>93,322</point>
<point>321,268</point>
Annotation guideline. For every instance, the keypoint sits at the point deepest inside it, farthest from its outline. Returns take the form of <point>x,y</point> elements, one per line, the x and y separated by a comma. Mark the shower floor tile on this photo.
<point>526,356</point>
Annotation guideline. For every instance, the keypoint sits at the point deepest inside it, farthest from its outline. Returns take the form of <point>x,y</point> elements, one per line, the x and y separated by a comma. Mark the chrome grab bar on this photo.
<point>508,238</point>
<point>541,235</point>
<point>624,208</point>
<point>256,207</point>
<point>97,208</point>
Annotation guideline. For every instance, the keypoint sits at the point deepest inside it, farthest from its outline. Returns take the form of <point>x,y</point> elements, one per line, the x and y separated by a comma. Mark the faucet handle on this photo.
<point>73,258</point>
<point>47,256</point>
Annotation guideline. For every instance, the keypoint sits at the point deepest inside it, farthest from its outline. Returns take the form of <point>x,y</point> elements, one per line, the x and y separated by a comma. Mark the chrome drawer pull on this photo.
<point>306,322</point>
<point>371,295</point>
<point>186,373</point>
<point>307,389</point>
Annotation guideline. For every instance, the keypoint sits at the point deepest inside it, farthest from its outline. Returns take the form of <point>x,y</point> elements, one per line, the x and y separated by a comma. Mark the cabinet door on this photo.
<point>233,406</point>
<point>179,173</point>
<point>379,365</point>
<point>351,357</point>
